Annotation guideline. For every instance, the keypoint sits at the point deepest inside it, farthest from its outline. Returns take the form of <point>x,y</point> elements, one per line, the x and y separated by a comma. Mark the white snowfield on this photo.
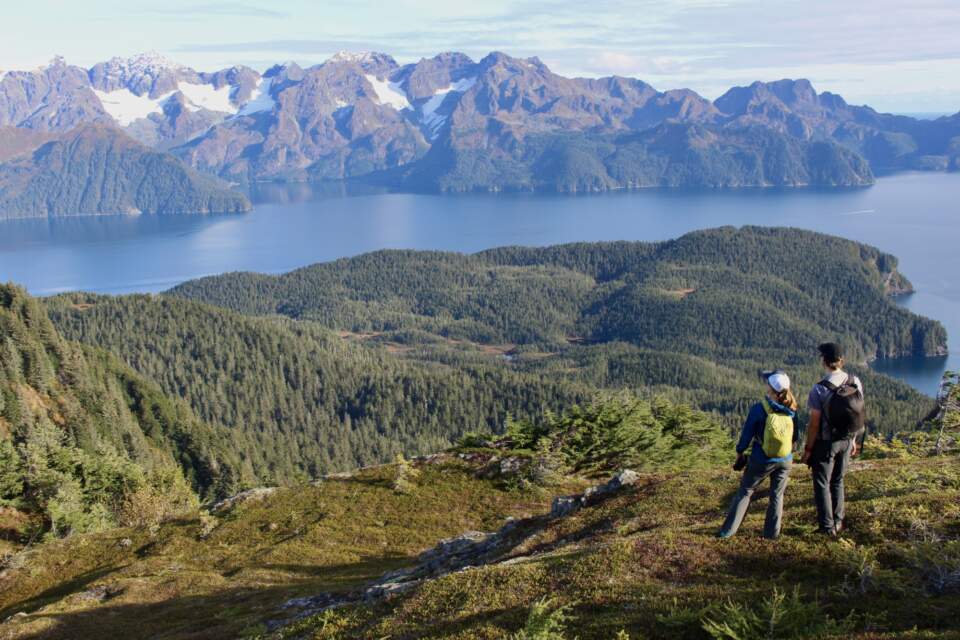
<point>126,107</point>
<point>205,96</point>
<point>261,100</point>
<point>389,93</point>
<point>428,110</point>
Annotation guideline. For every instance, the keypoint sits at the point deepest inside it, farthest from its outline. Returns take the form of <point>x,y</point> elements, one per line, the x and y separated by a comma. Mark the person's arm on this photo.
<point>813,432</point>
<point>749,430</point>
<point>858,440</point>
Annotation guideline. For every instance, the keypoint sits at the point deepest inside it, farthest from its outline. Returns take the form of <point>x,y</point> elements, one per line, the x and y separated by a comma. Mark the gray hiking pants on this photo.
<point>753,475</point>
<point>830,462</point>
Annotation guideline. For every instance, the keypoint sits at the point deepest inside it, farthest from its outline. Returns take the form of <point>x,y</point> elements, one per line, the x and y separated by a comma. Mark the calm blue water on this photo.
<point>914,216</point>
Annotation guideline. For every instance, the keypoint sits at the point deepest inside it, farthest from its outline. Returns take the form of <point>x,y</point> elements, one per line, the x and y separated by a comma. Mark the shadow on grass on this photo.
<point>61,590</point>
<point>225,614</point>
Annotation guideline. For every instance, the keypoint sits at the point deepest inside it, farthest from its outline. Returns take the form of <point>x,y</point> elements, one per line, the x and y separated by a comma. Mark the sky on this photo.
<point>900,56</point>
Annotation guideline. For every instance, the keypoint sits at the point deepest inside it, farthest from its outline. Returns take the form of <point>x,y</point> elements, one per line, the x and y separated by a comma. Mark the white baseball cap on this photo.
<point>778,380</point>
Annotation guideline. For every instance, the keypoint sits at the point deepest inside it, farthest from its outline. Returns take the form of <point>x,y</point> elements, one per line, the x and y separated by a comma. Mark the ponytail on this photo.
<point>787,399</point>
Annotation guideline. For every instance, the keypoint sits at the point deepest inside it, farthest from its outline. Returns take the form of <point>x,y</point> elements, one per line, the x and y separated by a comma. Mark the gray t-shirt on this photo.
<point>819,394</point>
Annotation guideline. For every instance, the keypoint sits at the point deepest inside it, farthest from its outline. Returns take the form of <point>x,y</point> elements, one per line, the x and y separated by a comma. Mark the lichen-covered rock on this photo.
<point>245,496</point>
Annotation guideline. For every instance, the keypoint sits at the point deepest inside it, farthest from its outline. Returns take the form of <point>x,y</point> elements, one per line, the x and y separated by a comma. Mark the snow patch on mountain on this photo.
<point>206,96</point>
<point>389,93</point>
<point>261,100</point>
<point>428,110</point>
<point>126,107</point>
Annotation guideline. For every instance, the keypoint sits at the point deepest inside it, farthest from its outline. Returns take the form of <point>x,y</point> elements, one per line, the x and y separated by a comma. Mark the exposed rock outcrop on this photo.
<point>470,549</point>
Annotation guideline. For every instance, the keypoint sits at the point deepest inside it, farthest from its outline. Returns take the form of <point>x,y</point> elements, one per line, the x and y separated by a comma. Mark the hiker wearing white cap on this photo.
<point>770,432</point>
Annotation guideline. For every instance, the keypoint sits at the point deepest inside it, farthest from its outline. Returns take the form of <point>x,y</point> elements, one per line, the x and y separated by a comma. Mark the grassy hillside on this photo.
<point>641,561</point>
<point>85,442</point>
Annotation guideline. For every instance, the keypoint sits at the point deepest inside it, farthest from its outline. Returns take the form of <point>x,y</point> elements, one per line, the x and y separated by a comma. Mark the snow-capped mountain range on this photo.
<point>450,122</point>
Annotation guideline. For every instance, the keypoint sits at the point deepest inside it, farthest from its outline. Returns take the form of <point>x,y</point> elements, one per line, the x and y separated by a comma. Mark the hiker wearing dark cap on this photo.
<point>769,432</point>
<point>836,420</point>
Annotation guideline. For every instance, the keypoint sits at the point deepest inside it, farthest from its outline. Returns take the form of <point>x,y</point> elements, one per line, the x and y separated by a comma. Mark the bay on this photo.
<point>915,216</point>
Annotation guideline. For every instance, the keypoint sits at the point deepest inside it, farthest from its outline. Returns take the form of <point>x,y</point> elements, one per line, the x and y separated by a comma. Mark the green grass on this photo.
<point>177,582</point>
<point>644,562</point>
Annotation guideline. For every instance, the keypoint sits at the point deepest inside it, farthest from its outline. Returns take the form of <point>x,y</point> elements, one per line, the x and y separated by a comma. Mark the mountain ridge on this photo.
<point>449,123</point>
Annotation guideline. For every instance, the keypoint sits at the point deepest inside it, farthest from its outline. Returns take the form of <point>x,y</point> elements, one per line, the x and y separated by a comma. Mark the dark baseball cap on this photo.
<point>831,351</point>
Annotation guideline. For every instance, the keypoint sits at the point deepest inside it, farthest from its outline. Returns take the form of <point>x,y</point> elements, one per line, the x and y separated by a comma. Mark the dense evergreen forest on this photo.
<point>307,401</point>
<point>724,293</point>
<point>349,363</point>
<point>85,442</point>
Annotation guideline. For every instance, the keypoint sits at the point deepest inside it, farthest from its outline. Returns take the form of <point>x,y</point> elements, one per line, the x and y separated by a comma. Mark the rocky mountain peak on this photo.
<point>143,74</point>
<point>795,94</point>
<point>369,61</point>
<point>500,59</point>
<point>286,72</point>
<point>55,62</point>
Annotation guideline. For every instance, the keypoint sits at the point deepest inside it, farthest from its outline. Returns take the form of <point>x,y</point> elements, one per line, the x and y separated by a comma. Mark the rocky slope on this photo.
<point>97,169</point>
<point>452,123</point>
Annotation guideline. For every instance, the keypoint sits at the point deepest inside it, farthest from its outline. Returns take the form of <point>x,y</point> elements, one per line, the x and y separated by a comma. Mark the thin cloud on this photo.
<point>237,9</point>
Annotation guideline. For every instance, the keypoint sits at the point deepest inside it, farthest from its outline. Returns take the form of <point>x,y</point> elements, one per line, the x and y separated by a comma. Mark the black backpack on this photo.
<point>844,409</point>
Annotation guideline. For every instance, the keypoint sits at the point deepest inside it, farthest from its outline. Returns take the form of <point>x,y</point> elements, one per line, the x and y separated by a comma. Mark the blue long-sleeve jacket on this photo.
<point>753,432</point>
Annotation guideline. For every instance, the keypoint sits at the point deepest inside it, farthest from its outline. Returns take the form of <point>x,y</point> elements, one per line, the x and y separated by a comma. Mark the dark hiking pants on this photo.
<point>830,462</point>
<point>753,475</point>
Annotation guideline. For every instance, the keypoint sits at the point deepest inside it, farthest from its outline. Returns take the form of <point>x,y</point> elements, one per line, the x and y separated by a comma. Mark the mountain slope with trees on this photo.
<point>726,292</point>
<point>97,169</point>
<point>305,401</point>
<point>85,442</point>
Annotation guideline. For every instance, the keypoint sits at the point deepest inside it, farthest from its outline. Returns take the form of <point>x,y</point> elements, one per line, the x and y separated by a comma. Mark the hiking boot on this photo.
<point>838,529</point>
<point>830,533</point>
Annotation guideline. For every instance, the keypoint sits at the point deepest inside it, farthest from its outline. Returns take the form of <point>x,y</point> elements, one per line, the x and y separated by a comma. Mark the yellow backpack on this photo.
<point>777,433</point>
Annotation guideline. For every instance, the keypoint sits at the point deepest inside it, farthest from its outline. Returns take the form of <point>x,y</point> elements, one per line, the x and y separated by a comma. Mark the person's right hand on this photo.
<point>805,458</point>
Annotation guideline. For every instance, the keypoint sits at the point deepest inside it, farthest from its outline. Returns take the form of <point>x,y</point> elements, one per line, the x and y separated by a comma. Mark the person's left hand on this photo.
<point>856,449</point>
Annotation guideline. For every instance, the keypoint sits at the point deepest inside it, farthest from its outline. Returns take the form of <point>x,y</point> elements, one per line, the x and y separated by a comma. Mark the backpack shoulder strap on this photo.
<point>829,386</point>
